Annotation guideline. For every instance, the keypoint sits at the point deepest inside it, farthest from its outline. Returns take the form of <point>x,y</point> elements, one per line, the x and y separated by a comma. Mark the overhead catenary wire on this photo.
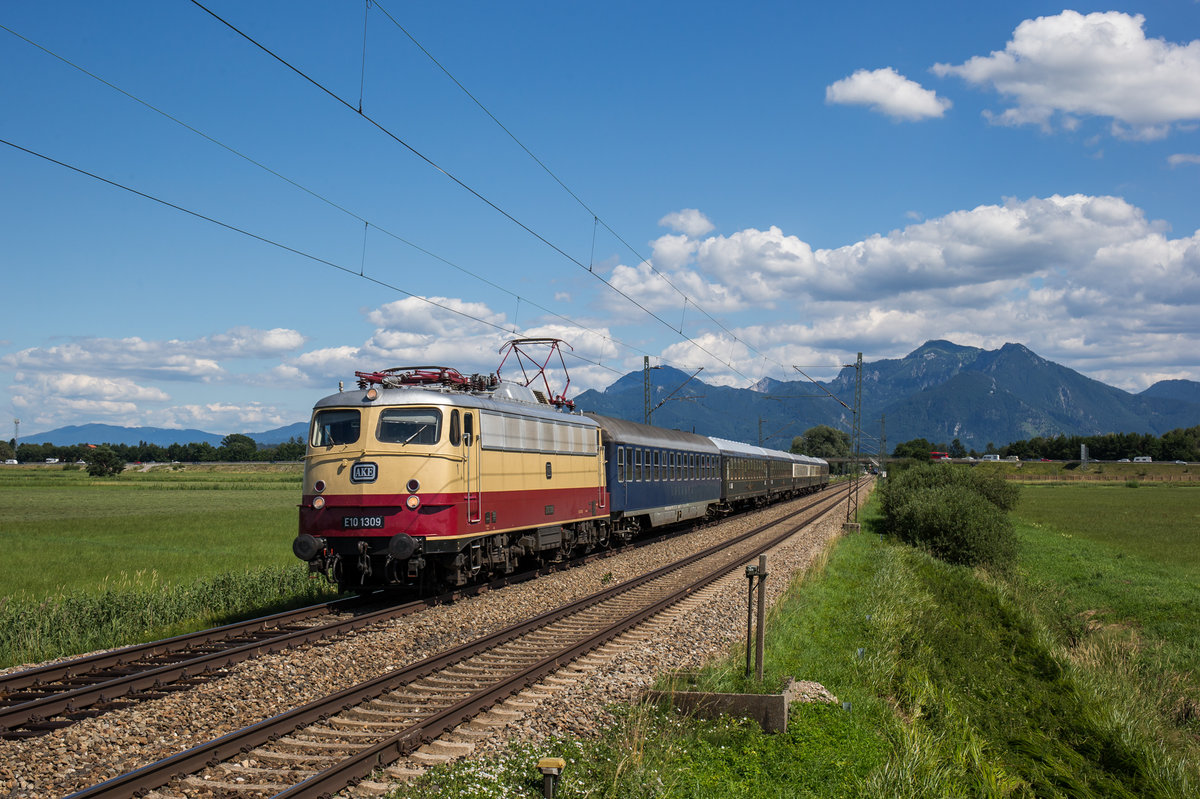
<point>280,245</point>
<point>462,184</point>
<point>367,224</point>
<point>641,258</point>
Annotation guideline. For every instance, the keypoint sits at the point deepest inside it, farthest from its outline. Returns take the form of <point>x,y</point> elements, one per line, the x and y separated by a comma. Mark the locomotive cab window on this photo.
<point>335,427</point>
<point>409,426</point>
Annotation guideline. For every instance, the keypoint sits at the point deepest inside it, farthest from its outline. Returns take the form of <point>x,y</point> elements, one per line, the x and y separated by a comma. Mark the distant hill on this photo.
<point>939,391</point>
<point>281,435</point>
<point>1183,390</point>
<point>112,434</point>
<point>161,436</point>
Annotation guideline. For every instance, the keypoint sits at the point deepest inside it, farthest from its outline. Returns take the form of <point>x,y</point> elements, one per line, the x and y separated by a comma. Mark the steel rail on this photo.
<point>37,710</point>
<point>157,774</point>
<point>75,700</point>
<point>54,672</point>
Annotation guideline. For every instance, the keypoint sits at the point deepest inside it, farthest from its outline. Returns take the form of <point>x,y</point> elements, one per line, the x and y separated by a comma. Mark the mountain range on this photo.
<point>940,391</point>
<point>160,436</point>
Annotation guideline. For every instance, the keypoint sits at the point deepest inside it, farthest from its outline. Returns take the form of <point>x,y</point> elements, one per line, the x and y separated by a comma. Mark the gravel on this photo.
<point>97,749</point>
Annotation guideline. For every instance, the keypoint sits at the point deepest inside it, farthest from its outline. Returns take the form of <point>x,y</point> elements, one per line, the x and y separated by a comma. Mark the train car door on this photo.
<point>601,467</point>
<point>472,469</point>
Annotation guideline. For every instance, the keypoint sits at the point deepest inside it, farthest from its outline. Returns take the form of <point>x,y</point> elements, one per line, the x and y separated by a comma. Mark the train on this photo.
<point>422,478</point>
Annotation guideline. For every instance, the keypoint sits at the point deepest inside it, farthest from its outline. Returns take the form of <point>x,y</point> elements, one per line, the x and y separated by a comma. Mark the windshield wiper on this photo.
<point>420,430</point>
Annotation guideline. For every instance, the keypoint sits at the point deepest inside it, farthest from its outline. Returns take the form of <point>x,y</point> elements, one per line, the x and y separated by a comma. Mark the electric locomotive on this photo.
<point>426,478</point>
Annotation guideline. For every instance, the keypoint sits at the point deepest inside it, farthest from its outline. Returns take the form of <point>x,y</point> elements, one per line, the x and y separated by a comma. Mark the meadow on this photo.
<point>1072,675</point>
<point>65,531</point>
<point>99,562</point>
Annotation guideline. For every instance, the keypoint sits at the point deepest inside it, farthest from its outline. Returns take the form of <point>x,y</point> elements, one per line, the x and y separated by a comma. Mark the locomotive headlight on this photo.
<point>372,393</point>
<point>413,502</point>
<point>319,486</point>
<point>318,502</point>
<point>413,486</point>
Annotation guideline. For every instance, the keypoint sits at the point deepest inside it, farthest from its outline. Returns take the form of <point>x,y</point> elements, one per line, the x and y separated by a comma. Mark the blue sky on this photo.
<point>744,187</point>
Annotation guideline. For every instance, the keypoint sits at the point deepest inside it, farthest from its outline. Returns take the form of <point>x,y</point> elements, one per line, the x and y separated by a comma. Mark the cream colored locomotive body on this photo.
<point>420,486</point>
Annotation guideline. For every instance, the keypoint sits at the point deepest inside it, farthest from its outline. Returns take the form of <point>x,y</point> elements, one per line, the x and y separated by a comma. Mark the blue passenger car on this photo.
<point>657,476</point>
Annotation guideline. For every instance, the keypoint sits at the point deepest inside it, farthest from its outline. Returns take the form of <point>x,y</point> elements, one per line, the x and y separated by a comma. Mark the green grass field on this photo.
<point>97,563</point>
<point>1159,522</point>
<point>1074,676</point>
<point>63,531</point>
<point>1115,573</point>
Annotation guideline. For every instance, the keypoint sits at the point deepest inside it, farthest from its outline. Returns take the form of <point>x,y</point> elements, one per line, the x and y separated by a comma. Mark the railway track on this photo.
<point>37,701</point>
<point>41,700</point>
<point>320,748</point>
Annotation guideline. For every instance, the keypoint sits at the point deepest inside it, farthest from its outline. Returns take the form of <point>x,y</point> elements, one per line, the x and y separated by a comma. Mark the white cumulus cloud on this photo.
<point>689,221</point>
<point>1098,64</point>
<point>1057,268</point>
<point>888,92</point>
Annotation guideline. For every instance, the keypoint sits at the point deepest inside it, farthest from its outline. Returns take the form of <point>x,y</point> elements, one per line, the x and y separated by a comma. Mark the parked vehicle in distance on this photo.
<point>991,457</point>
<point>1143,459</point>
<point>10,462</point>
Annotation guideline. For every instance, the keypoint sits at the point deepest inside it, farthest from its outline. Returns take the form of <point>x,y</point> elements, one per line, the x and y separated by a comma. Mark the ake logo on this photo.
<point>363,473</point>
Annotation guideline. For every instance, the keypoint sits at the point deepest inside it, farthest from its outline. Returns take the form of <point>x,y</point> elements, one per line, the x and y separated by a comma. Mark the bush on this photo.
<point>959,514</point>
<point>956,525</point>
<point>988,483</point>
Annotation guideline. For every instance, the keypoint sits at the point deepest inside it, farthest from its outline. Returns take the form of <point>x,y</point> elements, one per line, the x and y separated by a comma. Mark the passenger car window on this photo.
<point>335,427</point>
<point>409,426</point>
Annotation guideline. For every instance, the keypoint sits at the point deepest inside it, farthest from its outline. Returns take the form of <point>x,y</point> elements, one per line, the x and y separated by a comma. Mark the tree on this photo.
<point>917,449</point>
<point>822,441</point>
<point>237,447</point>
<point>104,462</point>
<point>957,450</point>
<point>200,451</point>
<point>7,451</point>
<point>290,450</point>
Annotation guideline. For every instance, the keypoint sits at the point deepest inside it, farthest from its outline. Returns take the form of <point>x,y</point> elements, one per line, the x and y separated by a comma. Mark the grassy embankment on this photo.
<point>1105,472</point>
<point>1075,676</point>
<point>95,563</point>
